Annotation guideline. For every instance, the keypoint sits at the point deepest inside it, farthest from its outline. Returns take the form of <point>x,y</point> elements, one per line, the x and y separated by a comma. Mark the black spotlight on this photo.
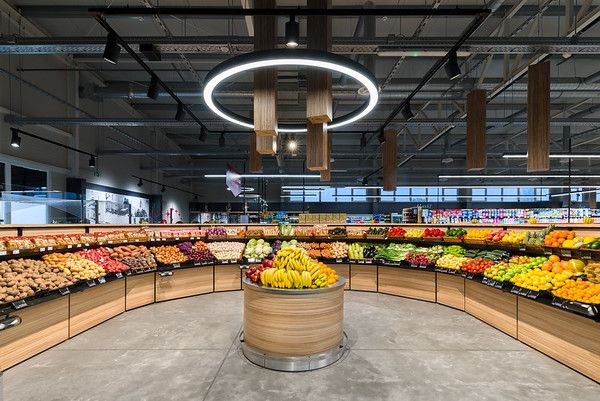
<point>222,141</point>
<point>92,162</point>
<point>407,112</point>
<point>163,189</point>
<point>112,49</point>
<point>452,68</point>
<point>140,183</point>
<point>15,140</point>
<point>363,141</point>
<point>292,32</point>
<point>365,181</point>
<point>180,112</point>
<point>153,88</point>
<point>203,134</point>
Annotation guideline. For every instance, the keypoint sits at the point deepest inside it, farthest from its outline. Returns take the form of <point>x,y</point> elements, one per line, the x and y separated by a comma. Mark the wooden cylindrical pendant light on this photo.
<point>318,82</point>
<point>390,160</point>
<point>317,149</point>
<point>538,117</point>
<point>318,92</point>
<point>254,158</point>
<point>326,174</point>
<point>476,121</point>
<point>265,82</point>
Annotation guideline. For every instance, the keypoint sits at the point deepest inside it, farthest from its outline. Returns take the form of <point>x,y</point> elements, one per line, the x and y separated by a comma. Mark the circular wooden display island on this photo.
<point>293,330</point>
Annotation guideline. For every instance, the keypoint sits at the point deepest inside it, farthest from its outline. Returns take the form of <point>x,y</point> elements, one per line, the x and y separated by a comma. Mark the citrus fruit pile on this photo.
<point>557,238</point>
<point>539,280</point>
<point>555,265</point>
<point>579,290</point>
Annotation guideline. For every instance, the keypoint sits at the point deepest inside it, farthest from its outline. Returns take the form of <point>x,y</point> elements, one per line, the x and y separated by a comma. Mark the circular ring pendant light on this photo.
<point>294,58</point>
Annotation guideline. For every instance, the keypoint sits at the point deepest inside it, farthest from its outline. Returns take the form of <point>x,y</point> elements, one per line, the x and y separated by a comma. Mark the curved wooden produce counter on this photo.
<point>293,330</point>
<point>564,336</point>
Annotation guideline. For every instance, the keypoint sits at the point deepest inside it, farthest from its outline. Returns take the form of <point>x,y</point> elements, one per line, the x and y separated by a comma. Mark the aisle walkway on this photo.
<point>400,350</point>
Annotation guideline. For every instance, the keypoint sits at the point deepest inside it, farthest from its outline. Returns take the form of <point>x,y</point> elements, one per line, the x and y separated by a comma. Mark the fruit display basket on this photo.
<point>453,240</point>
<point>276,339</point>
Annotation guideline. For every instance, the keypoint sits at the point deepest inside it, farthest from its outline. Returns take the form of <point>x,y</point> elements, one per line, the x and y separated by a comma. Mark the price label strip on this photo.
<point>20,304</point>
<point>64,291</point>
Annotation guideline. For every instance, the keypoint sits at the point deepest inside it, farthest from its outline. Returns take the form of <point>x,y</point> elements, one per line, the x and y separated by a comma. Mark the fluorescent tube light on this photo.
<point>266,176</point>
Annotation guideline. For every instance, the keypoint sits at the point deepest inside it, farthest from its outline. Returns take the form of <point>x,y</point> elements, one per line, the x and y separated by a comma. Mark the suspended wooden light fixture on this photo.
<point>538,117</point>
<point>390,162</point>
<point>318,91</point>
<point>476,121</point>
<point>265,82</point>
<point>254,158</point>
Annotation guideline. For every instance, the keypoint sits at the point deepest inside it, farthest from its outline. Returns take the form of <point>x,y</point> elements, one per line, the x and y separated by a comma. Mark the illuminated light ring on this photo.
<point>290,57</point>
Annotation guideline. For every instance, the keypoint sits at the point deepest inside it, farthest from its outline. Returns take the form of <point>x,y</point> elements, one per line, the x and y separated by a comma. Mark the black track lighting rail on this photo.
<point>154,77</point>
<point>405,104</point>
<point>41,138</point>
<point>163,186</point>
<point>332,12</point>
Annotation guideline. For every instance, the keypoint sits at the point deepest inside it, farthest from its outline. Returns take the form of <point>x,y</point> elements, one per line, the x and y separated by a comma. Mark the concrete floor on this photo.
<point>401,349</point>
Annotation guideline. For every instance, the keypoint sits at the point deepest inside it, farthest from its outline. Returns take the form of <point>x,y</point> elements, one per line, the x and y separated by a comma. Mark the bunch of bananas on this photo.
<point>292,268</point>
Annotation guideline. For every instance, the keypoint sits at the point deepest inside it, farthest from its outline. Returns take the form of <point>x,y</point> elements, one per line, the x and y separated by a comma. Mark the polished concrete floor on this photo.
<point>401,349</point>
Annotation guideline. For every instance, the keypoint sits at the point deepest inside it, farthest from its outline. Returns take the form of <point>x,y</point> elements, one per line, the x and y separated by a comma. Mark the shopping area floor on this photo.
<point>188,349</point>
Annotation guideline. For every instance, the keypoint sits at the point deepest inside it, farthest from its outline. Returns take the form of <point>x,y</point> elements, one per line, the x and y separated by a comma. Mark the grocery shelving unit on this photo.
<point>566,331</point>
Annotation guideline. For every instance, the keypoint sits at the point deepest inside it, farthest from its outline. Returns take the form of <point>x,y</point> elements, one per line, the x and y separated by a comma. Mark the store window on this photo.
<point>328,195</point>
<point>387,196</point>
<point>450,195</point>
<point>2,177</point>
<point>361,192</point>
<point>576,197</point>
<point>478,195</point>
<point>26,179</point>
<point>418,194</point>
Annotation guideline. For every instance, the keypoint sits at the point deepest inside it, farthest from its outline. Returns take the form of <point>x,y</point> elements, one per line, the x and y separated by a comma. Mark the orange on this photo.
<point>553,258</point>
<point>557,269</point>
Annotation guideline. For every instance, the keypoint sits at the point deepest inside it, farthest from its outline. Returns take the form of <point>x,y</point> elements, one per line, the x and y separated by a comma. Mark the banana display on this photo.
<point>292,268</point>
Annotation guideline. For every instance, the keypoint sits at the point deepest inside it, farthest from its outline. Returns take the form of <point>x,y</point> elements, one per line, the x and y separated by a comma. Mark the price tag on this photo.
<point>451,271</point>
<point>524,292</point>
<point>87,244</point>
<point>42,249</point>
<point>197,263</point>
<point>566,253</point>
<point>176,238</point>
<point>522,248</point>
<point>558,302</point>
<point>515,290</point>
<point>547,251</point>
<point>119,275</point>
<point>110,242</point>
<point>100,243</point>
<point>20,304</point>
<point>90,283</point>
<point>16,252</point>
<point>136,240</point>
<point>422,266</point>
<point>101,280</point>
<point>78,245</point>
<point>128,273</point>
<point>64,291</point>
<point>338,260</point>
<point>361,262</point>
<point>49,248</point>
<point>586,255</point>
<point>470,276</point>
<point>2,253</point>
<point>69,246</point>
<point>499,284</point>
<point>414,265</point>
<point>125,241</point>
<point>532,294</point>
<point>176,265</point>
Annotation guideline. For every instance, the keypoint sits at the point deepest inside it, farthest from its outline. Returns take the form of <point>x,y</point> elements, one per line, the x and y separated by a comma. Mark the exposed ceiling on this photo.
<point>399,50</point>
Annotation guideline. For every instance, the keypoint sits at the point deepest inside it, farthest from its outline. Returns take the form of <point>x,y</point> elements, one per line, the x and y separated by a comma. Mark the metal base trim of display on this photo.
<point>294,363</point>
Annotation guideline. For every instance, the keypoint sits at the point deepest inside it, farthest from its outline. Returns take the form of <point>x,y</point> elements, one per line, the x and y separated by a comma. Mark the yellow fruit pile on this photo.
<point>74,265</point>
<point>538,279</point>
<point>514,237</point>
<point>292,268</point>
<point>451,261</point>
<point>414,233</point>
<point>579,290</point>
<point>477,234</point>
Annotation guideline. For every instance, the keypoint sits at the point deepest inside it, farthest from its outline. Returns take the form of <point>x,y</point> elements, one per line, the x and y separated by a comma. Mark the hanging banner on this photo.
<point>233,181</point>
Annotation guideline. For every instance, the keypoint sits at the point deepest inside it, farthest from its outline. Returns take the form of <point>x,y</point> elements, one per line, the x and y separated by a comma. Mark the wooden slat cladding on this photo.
<point>265,79</point>
<point>318,82</point>
<point>390,160</point>
<point>476,119</point>
<point>538,117</point>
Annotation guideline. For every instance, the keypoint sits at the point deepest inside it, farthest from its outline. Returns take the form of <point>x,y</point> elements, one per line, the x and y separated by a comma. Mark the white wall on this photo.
<point>19,98</point>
